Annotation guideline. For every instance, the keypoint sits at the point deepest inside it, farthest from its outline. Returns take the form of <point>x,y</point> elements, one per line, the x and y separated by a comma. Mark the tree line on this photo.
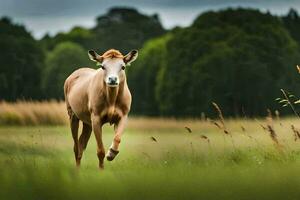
<point>239,58</point>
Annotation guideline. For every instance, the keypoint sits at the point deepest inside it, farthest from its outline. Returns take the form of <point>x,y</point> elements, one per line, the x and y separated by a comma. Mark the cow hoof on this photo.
<point>111,154</point>
<point>101,166</point>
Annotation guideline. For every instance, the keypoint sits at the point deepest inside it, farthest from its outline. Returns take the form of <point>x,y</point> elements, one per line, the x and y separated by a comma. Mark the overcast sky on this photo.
<point>42,16</point>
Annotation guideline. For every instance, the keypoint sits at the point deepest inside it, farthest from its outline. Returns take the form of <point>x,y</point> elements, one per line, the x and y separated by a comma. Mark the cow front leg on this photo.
<point>114,148</point>
<point>97,128</point>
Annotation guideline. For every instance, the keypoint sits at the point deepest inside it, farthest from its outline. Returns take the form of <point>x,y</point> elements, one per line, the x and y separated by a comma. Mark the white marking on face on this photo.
<point>113,72</point>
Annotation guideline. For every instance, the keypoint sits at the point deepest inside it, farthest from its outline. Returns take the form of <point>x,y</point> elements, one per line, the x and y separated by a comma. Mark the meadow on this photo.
<point>159,159</point>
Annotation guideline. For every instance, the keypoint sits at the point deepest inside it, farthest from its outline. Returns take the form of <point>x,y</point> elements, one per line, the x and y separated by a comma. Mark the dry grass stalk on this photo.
<point>188,129</point>
<point>289,102</point>
<point>273,134</point>
<point>244,132</point>
<point>220,114</point>
<point>271,130</point>
<point>216,124</point>
<point>223,127</point>
<point>243,128</point>
<point>261,125</point>
<point>296,133</point>
<point>153,139</point>
<point>205,138</point>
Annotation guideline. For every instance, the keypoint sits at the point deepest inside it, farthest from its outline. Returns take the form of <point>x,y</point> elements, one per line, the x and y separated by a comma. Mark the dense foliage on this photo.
<point>143,76</point>
<point>60,63</point>
<point>121,28</point>
<point>292,24</point>
<point>21,62</point>
<point>239,58</point>
<point>125,29</point>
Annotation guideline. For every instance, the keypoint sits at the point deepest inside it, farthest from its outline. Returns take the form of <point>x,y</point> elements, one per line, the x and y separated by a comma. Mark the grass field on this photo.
<point>37,162</point>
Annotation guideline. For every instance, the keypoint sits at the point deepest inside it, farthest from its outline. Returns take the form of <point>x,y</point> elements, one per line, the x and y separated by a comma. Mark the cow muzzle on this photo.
<point>112,81</point>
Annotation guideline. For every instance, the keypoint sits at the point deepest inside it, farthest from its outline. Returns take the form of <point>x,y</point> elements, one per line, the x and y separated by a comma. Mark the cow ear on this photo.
<point>130,57</point>
<point>94,56</point>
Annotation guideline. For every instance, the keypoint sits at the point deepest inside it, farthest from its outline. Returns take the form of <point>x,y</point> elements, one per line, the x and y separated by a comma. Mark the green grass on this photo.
<point>38,163</point>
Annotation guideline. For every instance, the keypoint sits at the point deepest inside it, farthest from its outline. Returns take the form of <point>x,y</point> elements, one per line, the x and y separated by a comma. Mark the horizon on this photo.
<point>52,17</point>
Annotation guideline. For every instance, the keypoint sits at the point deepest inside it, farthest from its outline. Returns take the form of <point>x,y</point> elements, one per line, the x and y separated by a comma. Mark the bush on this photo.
<point>60,63</point>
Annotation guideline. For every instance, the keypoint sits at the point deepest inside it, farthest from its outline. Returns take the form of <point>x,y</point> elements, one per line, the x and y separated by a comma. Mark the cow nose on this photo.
<point>112,80</point>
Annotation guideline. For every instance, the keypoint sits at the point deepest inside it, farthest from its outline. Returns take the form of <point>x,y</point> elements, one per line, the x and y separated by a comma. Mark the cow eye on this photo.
<point>103,67</point>
<point>123,67</point>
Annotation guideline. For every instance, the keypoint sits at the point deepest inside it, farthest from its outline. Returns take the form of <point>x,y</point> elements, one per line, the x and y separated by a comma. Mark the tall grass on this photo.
<point>38,162</point>
<point>33,113</point>
<point>187,159</point>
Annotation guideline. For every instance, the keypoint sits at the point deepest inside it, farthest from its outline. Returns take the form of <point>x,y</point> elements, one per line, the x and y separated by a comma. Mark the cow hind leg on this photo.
<point>83,139</point>
<point>74,123</point>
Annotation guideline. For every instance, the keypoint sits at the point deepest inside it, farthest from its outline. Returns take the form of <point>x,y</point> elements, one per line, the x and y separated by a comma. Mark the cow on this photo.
<point>96,97</point>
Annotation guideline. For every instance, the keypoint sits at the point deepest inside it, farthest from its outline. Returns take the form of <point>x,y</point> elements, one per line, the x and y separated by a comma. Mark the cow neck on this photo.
<point>112,93</point>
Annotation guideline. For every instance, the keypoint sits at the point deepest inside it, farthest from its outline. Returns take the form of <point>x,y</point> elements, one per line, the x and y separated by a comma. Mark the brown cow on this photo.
<point>96,97</point>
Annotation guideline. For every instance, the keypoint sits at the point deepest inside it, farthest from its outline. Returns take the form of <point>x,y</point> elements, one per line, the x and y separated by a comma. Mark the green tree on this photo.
<point>220,58</point>
<point>125,29</point>
<point>142,76</point>
<point>79,35</point>
<point>121,28</point>
<point>21,61</point>
<point>65,58</point>
<point>292,23</point>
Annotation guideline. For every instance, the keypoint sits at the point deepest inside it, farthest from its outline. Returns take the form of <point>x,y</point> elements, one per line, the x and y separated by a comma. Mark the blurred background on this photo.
<point>233,52</point>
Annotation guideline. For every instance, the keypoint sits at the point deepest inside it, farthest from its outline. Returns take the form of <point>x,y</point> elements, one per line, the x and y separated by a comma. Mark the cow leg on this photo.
<point>74,122</point>
<point>119,129</point>
<point>83,139</point>
<point>97,128</point>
